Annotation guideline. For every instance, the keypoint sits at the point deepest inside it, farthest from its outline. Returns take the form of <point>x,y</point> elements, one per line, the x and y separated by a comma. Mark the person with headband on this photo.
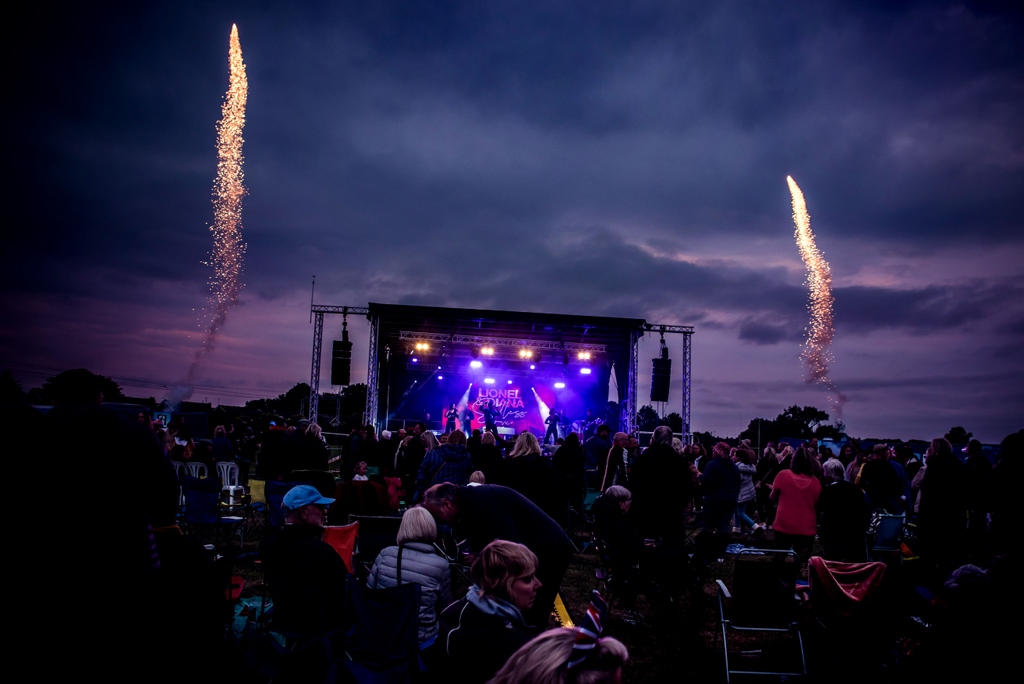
<point>579,655</point>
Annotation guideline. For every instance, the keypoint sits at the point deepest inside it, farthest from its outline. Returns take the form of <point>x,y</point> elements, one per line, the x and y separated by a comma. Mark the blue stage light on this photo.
<point>584,371</point>
<point>559,385</point>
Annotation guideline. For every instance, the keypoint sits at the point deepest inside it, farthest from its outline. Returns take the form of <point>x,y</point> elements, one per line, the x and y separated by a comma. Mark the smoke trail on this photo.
<point>228,251</point>
<point>816,354</point>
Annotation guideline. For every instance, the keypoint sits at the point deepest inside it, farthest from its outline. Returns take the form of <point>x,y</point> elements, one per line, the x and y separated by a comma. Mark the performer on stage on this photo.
<point>450,420</point>
<point>489,414</point>
<point>467,420</point>
<point>552,422</point>
<point>590,423</point>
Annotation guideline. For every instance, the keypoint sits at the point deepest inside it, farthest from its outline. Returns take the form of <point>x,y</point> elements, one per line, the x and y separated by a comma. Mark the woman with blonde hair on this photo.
<point>415,560</point>
<point>480,632</point>
<point>526,444</point>
<point>429,440</point>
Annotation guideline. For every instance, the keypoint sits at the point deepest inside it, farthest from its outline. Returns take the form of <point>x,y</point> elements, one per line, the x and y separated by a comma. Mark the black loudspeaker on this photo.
<point>341,361</point>
<point>661,376</point>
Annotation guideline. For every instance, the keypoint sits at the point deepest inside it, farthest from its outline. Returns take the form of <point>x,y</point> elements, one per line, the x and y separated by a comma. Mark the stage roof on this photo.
<point>470,326</point>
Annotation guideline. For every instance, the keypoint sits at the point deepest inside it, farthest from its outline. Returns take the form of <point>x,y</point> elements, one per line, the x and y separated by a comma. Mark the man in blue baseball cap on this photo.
<point>306,575</point>
<point>304,505</point>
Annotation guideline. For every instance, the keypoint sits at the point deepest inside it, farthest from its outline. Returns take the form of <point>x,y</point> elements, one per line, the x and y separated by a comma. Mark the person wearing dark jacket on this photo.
<point>532,475</point>
<point>770,464</point>
<point>481,631</point>
<point>305,574</point>
<point>660,479</point>
<point>569,463</point>
<point>487,459</point>
<point>450,462</point>
<point>844,516</point>
<point>720,488</point>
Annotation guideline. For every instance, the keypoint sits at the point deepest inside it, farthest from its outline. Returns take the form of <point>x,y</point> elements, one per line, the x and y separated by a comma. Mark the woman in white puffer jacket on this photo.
<point>415,560</point>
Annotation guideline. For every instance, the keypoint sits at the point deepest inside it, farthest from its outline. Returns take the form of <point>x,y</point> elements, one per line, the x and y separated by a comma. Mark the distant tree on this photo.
<point>293,401</point>
<point>794,422</point>
<point>80,386</point>
<point>799,422</point>
<point>707,439</point>
<point>675,421</point>
<point>760,431</point>
<point>353,405</point>
<point>958,435</point>
<point>10,389</point>
<point>646,418</point>
<point>834,432</point>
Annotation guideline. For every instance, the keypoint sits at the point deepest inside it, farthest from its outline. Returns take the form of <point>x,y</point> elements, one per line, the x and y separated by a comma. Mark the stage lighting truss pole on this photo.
<point>314,375</point>
<point>371,376</point>
<point>687,355</point>
<point>629,419</point>
<point>318,311</point>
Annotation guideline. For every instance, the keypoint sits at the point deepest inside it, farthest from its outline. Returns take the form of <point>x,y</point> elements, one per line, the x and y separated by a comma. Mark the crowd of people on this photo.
<point>511,505</point>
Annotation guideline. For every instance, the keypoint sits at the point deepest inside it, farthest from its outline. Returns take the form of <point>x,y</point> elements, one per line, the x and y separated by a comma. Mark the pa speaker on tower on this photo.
<point>661,377</point>
<point>341,362</point>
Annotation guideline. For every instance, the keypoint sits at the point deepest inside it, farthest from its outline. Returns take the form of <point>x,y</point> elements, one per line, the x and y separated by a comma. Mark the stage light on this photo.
<point>584,371</point>
<point>487,351</point>
<point>422,346</point>
<point>559,385</point>
<point>583,356</point>
<point>510,382</point>
<point>488,381</point>
<point>525,354</point>
<point>415,360</point>
<point>532,367</point>
<point>440,377</point>
<point>475,364</point>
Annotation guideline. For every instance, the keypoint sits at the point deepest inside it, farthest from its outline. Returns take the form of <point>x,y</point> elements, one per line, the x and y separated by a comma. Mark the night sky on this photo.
<point>620,159</point>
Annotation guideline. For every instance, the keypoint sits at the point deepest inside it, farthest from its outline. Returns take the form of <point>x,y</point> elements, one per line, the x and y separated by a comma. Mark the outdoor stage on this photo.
<point>523,365</point>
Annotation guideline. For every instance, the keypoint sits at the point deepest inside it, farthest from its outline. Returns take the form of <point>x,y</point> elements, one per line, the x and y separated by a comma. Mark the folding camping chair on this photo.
<point>887,542</point>
<point>763,599</point>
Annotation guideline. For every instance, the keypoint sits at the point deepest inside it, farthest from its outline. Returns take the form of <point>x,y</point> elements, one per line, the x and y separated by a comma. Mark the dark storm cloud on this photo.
<point>922,310</point>
<point>761,331</point>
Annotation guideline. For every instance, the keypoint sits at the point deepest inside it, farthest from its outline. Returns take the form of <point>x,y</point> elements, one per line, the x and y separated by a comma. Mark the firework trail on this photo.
<point>228,190</point>
<point>816,354</point>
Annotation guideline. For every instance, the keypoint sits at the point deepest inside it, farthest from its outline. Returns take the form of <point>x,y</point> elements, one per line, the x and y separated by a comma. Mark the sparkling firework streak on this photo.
<point>228,190</point>
<point>816,354</point>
